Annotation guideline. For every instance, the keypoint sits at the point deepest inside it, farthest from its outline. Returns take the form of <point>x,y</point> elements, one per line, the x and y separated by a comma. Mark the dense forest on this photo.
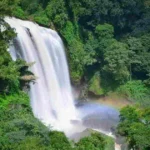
<point>105,39</point>
<point>108,46</point>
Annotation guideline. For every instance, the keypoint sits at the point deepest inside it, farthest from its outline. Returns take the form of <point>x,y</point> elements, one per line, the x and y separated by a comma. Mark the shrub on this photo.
<point>133,90</point>
<point>19,13</point>
<point>94,85</point>
<point>94,142</point>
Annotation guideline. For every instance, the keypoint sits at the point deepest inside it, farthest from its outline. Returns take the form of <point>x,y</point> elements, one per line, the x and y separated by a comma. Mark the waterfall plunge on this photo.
<point>51,96</point>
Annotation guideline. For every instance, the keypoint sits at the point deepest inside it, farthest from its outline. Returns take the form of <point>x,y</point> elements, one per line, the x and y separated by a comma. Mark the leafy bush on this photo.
<point>12,100</point>
<point>31,143</point>
<point>117,61</point>
<point>94,85</point>
<point>76,51</point>
<point>59,141</point>
<point>40,17</point>
<point>94,142</point>
<point>18,124</point>
<point>19,13</point>
<point>105,31</point>
<point>134,90</point>
<point>56,11</point>
<point>110,144</point>
<point>134,125</point>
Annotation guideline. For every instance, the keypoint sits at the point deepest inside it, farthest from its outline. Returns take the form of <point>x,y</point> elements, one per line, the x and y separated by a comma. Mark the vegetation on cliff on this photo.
<point>134,125</point>
<point>19,129</point>
<point>110,37</point>
<point>107,44</point>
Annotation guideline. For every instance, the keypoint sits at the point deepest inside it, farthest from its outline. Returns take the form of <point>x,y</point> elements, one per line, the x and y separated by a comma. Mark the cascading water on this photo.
<point>51,96</point>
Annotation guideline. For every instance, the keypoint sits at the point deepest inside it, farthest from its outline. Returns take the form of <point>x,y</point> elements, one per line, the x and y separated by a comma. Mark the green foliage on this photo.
<point>41,18</point>
<point>101,36</point>
<point>142,25</point>
<point>77,55</point>
<point>32,7</point>
<point>56,11</point>
<point>17,125</point>
<point>25,4</point>
<point>122,14</point>
<point>90,29</point>
<point>117,61</point>
<point>135,91</point>
<point>59,141</point>
<point>105,35</point>
<point>6,35</point>
<point>110,145</point>
<point>135,127</point>
<point>10,71</point>
<point>95,85</point>
<point>20,98</point>
<point>137,131</point>
<point>19,13</point>
<point>105,31</point>
<point>7,6</point>
<point>19,129</point>
<point>30,143</point>
<point>94,142</point>
<point>91,46</point>
<point>139,56</point>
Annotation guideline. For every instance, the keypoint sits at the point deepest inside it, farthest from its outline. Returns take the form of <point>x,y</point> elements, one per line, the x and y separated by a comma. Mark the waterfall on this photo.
<point>51,95</point>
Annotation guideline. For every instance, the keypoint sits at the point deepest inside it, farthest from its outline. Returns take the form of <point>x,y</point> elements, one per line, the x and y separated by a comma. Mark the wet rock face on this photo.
<point>121,141</point>
<point>77,136</point>
<point>80,92</point>
<point>84,92</point>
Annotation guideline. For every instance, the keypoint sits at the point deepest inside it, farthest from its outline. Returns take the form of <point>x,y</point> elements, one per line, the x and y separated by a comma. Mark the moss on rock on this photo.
<point>94,85</point>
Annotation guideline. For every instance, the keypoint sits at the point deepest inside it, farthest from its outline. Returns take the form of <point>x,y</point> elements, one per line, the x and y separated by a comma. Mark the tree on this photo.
<point>135,91</point>
<point>134,126</point>
<point>8,70</point>
<point>94,142</point>
<point>59,141</point>
<point>57,12</point>
<point>139,56</point>
<point>116,61</point>
<point>142,25</point>
<point>105,35</point>
<point>105,31</point>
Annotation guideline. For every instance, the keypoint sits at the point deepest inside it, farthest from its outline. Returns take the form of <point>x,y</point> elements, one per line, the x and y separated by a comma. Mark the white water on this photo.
<point>51,96</point>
